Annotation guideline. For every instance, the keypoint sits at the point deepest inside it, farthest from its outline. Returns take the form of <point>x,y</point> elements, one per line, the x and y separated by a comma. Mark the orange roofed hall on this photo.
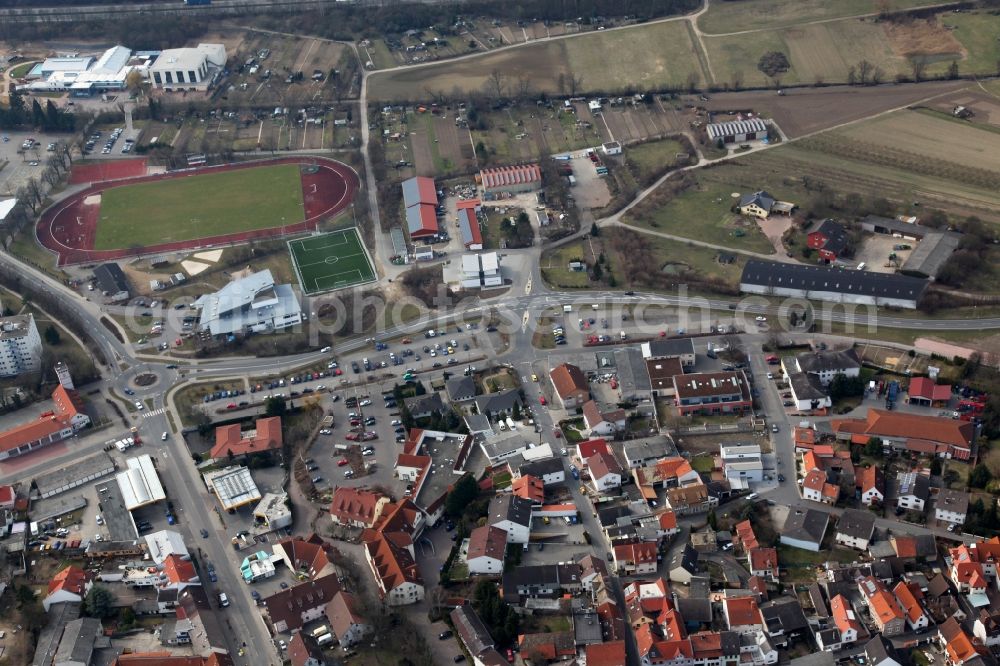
<point>62,422</point>
<point>231,441</point>
<point>935,435</point>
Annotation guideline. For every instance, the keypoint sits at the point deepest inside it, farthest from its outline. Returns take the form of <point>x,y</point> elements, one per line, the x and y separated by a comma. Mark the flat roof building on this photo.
<point>20,345</point>
<point>139,483</point>
<point>188,68</point>
<point>234,486</point>
<point>829,283</point>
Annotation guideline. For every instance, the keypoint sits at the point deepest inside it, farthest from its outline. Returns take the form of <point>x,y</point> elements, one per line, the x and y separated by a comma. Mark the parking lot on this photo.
<point>17,168</point>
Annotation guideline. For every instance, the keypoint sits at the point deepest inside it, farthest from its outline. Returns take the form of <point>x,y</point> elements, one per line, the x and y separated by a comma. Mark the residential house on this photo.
<point>609,653</point>
<point>870,484</point>
<point>487,547</point>
<point>548,646</point>
<point>289,609</point>
<point>967,572</point>
<point>987,627</point>
<point>570,384</point>
<point>645,452</point>
<point>357,507</point>
<point>744,538</point>
<point>805,528</point>
<point>742,465</point>
<point>830,238</point>
<point>855,529</point>
<point>472,633</point>
<point>605,472</point>
<point>513,515</point>
<point>68,585</point>
<point>911,548</point>
<point>912,491</point>
<point>549,470</point>
<point>602,424</point>
<point>957,645</point>
<point>303,650</point>
<point>346,622</point>
<point>761,204</point>
<point>824,365</point>
<point>388,549</point>
<point>816,488</point>
<point>499,404</point>
<point>543,580</point>
<point>683,565</point>
<point>662,349</point>
<point>231,441</point>
<point>742,615</point>
<point>882,606</point>
<point>764,563</point>
<point>909,600</point>
<point>951,506</point>
<point>846,620</point>
<point>880,652</point>
<point>530,488</point>
<point>422,406</point>
<point>690,499</point>
<point>712,393</point>
<point>636,559</point>
<point>784,619</point>
<point>828,639</point>
<point>590,447</point>
<point>461,389</point>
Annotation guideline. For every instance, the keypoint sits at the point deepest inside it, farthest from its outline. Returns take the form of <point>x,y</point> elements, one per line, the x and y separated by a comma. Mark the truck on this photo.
<point>321,630</point>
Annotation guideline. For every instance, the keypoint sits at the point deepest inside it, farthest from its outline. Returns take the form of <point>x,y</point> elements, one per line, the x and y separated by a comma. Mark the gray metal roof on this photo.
<point>731,128</point>
<point>828,360</point>
<point>806,387</point>
<point>762,199</point>
<point>830,279</point>
<point>77,644</point>
<point>930,255</point>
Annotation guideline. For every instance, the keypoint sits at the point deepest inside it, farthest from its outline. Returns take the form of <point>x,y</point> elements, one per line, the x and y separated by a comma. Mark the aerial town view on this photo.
<point>413,332</point>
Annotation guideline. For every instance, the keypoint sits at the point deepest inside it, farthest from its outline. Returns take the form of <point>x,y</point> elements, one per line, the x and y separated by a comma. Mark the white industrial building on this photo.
<point>188,68</point>
<point>233,486</point>
<point>828,283</point>
<point>139,483</point>
<point>738,131</point>
<point>84,76</point>
<point>160,545</point>
<point>742,465</point>
<point>272,512</point>
<point>252,304</point>
<point>20,345</point>
<point>481,271</point>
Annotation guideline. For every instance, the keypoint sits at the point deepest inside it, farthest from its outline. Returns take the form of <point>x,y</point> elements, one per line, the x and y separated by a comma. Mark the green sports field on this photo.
<point>213,204</point>
<point>331,261</point>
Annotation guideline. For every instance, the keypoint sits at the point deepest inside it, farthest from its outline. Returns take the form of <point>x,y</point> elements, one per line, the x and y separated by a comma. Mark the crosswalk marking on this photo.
<point>155,412</point>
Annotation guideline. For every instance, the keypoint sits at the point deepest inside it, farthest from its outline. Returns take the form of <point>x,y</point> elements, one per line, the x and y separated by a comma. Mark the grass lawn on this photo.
<point>674,256</point>
<point>703,213</point>
<point>653,158</point>
<point>555,266</point>
<point>977,32</point>
<point>331,261</point>
<point>213,204</point>
<point>20,71</point>
<point>703,464</point>
<point>797,557</point>
<point>759,14</point>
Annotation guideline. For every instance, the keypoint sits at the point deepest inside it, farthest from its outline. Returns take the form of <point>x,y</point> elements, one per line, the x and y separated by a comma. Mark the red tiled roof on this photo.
<point>668,520</point>
<point>869,478</point>
<point>706,645</point>
<point>905,425</point>
<point>804,435</point>
<point>529,488</point>
<point>606,654</point>
<point>166,659</point>
<point>468,203</point>
<point>843,615</point>
<point>957,643</point>
<point>592,416</point>
<point>905,546</point>
<point>811,461</point>
<point>568,379</point>
<point>301,647</point>
<point>229,439</point>
<point>487,541</point>
<point>6,495</point>
<point>882,604</point>
<point>815,480</point>
<point>907,601</point>
<point>638,553</point>
<point>742,611</point>
<point>71,579</point>
<point>602,464</point>
<point>67,405</point>
<point>590,447</point>
<point>763,558</point>
<point>178,570</point>
<point>745,535</point>
<point>467,218</point>
<point>511,175</point>
<point>922,387</point>
<point>355,505</point>
<point>342,612</point>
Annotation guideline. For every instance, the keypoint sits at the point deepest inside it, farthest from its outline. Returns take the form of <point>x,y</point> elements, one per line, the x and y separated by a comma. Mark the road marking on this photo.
<point>155,412</point>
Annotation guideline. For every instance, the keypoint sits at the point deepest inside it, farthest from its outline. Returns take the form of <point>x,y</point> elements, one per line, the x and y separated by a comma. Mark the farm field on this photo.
<point>331,261</point>
<point>724,17</point>
<point>664,51</point>
<point>979,35</point>
<point>212,204</point>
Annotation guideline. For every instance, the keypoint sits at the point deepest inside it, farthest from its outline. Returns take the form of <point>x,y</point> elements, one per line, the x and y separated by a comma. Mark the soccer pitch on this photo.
<point>199,206</point>
<point>331,261</point>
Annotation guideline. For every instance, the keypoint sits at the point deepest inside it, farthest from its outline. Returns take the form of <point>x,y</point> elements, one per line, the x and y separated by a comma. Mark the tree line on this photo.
<point>20,114</point>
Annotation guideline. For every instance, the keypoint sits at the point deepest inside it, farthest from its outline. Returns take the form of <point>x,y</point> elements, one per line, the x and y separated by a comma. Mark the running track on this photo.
<point>69,227</point>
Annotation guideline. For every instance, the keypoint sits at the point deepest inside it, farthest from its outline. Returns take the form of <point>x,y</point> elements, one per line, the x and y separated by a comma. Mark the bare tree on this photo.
<point>918,66</point>
<point>574,84</point>
<point>497,83</point>
<point>35,191</point>
<point>24,195</point>
<point>561,81</point>
<point>737,82</point>
<point>877,75</point>
<point>523,87</point>
<point>692,82</point>
<point>865,69</point>
<point>51,176</point>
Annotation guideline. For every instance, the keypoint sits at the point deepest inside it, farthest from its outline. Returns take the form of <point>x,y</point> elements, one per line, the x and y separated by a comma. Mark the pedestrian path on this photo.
<point>155,412</point>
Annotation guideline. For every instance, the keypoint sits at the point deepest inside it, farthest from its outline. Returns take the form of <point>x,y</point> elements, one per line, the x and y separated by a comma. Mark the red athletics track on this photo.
<point>69,227</point>
<point>96,172</point>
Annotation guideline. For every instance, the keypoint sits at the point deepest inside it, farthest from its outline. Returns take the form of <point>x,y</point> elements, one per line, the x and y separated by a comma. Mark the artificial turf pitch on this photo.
<point>331,261</point>
<point>199,206</point>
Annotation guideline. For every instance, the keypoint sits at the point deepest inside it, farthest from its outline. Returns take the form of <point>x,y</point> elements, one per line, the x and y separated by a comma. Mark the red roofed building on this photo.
<point>846,619</point>
<point>511,179</point>
<point>589,447</point>
<point>742,615</point>
<point>180,571</point>
<point>168,659</point>
<point>916,618</point>
<point>544,647</point>
<point>357,507</point>
<point>420,200</point>
<point>605,472</point>
<point>924,391</point>
<point>230,441</point>
<point>66,419</point>
<point>882,606</point>
<point>487,547</point>
<point>815,488</point>
<point>303,650</point>
<point>904,430</point>
<point>668,523</point>
<point>468,229</point>
<point>570,384</point>
<point>635,559</point>
<point>870,482</point>
<point>966,571</point>
<point>764,563</point>
<point>530,488</point>
<point>7,497</point>
<point>389,552</point>
<point>744,537</point>
<point>957,645</point>
<point>69,585</point>
<point>611,653</point>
